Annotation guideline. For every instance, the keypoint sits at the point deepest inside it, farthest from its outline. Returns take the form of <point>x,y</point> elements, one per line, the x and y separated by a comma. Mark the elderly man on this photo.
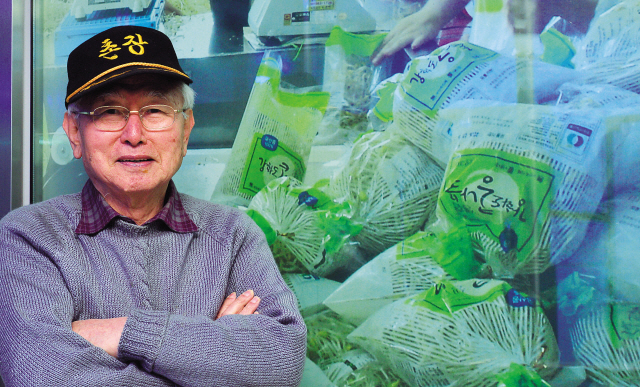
<point>130,283</point>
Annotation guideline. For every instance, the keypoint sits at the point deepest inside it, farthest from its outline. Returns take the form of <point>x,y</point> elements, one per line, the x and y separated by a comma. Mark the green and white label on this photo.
<point>431,79</point>
<point>269,159</point>
<point>505,196</point>
<point>448,297</point>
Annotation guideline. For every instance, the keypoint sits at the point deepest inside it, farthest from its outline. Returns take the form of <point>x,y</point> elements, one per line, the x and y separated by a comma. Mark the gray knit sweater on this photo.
<point>169,284</point>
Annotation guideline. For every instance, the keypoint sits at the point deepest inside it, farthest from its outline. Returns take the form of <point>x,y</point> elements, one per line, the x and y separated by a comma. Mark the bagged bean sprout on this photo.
<point>310,291</point>
<point>524,180</point>
<point>610,255</point>
<point>620,108</point>
<point>608,53</point>
<point>312,376</point>
<point>342,362</point>
<point>455,72</point>
<point>391,185</point>
<point>358,368</point>
<point>596,96</point>
<point>327,338</point>
<point>404,269</point>
<point>307,231</point>
<point>274,137</point>
<point>350,77</point>
<point>460,333</point>
<point>606,341</point>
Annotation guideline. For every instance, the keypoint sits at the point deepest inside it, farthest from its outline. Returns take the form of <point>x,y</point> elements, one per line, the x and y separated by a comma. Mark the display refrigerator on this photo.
<point>463,212</point>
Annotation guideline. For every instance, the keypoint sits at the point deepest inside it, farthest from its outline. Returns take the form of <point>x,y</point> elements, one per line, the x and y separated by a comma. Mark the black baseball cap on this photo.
<point>117,53</point>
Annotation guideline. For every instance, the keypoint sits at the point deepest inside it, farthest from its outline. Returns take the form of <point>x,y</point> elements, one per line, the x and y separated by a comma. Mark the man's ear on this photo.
<point>189,122</point>
<point>70,126</point>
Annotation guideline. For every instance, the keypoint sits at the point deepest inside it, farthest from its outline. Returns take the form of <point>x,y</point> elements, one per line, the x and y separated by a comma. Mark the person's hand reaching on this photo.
<point>415,30</point>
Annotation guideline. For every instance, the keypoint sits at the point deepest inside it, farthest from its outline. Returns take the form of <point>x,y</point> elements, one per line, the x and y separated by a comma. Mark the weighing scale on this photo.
<point>72,31</point>
<point>83,8</point>
<point>275,22</point>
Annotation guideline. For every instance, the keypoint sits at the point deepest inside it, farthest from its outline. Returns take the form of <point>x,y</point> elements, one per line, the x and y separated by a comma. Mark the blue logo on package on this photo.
<point>517,299</point>
<point>305,198</point>
<point>269,142</point>
<point>576,138</point>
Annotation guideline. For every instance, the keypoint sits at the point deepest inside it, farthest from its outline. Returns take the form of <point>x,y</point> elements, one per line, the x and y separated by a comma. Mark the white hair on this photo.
<point>176,90</point>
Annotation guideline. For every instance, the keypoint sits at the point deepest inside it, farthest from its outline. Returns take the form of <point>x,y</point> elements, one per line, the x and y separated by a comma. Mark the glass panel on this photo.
<point>224,72</point>
<point>478,218</point>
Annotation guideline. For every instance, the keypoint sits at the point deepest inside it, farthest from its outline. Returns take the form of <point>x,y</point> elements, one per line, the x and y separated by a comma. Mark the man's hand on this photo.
<point>103,333</point>
<point>246,303</point>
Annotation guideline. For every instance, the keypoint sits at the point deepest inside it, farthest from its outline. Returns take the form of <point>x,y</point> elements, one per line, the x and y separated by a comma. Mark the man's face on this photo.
<point>133,160</point>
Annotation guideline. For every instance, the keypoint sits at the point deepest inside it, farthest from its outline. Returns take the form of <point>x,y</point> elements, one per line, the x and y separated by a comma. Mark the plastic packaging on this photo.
<point>310,291</point>
<point>460,333</point>
<point>327,338</point>
<point>350,77</point>
<point>391,186</point>
<point>558,41</point>
<point>306,229</point>
<point>491,28</point>
<point>524,180</point>
<point>274,137</point>
<point>411,266</point>
<point>312,376</point>
<point>456,72</point>
<point>358,368</point>
<point>610,253</point>
<point>620,109</point>
<point>606,341</point>
<point>609,53</point>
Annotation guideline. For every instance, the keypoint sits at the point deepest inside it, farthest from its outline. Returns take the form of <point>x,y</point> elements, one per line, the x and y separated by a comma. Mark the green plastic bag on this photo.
<point>308,231</point>
<point>392,187</point>
<point>411,266</point>
<point>274,137</point>
<point>460,333</point>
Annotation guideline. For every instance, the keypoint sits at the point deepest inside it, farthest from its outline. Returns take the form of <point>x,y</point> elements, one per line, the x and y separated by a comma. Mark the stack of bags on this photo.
<point>450,221</point>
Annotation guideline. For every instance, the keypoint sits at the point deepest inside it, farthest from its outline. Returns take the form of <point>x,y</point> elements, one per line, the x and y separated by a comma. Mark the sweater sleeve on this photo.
<point>37,344</point>
<point>266,349</point>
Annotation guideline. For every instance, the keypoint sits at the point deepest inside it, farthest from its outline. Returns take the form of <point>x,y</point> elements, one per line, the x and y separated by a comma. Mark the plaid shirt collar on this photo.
<point>96,213</point>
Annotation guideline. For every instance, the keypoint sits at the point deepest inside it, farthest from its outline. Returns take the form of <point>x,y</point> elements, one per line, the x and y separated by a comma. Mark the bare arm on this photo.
<point>419,28</point>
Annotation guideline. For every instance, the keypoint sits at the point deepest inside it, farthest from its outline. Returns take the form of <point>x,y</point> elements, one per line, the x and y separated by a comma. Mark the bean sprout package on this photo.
<point>274,137</point>
<point>308,231</point>
<point>608,53</point>
<point>455,72</point>
<point>327,338</point>
<point>350,77</point>
<point>524,180</point>
<point>342,362</point>
<point>404,269</point>
<point>357,368</point>
<point>462,333</point>
<point>620,108</point>
<point>313,376</point>
<point>392,187</point>
<point>310,291</point>
<point>606,340</point>
<point>610,256</point>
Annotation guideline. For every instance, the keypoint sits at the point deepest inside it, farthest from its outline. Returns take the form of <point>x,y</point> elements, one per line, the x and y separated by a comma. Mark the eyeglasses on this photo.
<point>114,118</point>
